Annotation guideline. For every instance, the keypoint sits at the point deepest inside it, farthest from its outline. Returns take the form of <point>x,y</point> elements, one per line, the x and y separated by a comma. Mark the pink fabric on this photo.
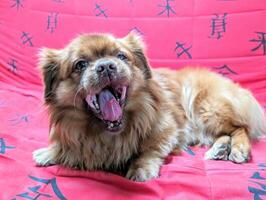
<point>227,36</point>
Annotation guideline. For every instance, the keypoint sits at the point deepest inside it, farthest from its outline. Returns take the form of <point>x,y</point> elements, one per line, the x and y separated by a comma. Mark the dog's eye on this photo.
<point>81,65</point>
<point>121,56</point>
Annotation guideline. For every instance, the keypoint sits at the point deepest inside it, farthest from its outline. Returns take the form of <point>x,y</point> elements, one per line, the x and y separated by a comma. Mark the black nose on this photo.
<point>105,66</point>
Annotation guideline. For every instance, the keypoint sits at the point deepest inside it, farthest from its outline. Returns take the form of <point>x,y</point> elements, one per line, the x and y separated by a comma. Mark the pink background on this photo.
<point>24,121</point>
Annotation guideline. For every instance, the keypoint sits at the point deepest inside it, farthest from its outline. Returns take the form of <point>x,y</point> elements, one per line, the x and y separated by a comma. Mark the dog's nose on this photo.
<point>106,66</point>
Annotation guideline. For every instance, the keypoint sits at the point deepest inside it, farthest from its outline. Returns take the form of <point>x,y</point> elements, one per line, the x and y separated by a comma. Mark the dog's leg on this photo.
<point>222,116</point>
<point>45,156</point>
<point>153,152</point>
<point>145,168</point>
<point>220,149</point>
<point>240,146</point>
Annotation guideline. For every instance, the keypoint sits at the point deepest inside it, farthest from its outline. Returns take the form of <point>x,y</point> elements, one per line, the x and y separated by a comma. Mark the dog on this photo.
<point>110,111</point>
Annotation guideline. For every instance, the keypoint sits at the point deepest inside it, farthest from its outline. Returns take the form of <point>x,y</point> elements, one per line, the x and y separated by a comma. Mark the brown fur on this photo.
<point>165,111</point>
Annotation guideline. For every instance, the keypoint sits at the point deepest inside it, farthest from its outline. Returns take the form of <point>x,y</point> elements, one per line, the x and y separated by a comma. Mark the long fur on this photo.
<point>165,110</point>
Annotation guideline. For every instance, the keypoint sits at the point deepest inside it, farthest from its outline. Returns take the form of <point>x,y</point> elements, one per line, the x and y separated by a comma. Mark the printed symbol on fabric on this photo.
<point>180,49</point>
<point>4,147</point>
<point>17,4</point>
<point>58,1</point>
<point>20,119</point>
<point>35,193</point>
<point>52,22</point>
<point>225,70</point>
<point>26,39</point>
<point>99,11</point>
<point>13,65</point>
<point>261,41</point>
<point>218,26</point>
<point>189,151</point>
<point>258,180</point>
<point>262,166</point>
<point>136,30</point>
<point>166,8</point>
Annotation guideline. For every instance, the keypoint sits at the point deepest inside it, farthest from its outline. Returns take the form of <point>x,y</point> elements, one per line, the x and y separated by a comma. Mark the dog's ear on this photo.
<point>49,64</point>
<point>136,45</point>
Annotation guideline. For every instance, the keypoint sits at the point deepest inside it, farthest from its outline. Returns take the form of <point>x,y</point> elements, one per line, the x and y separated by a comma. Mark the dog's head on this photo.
<point>96,74</point>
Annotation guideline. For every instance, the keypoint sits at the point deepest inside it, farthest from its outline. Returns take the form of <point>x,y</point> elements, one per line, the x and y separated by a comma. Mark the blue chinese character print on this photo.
<point>13,65</point>
<point>136,30</point>
<point>26,39</point>
<point>20,119</point>
<point>257,175</point>
<point>17,4</point>
<point>99,11</point>
<point>52,22</point>
<point>258,192</point>
<point>262,165</point>
<point>4,147</point>
<point>259,189</point>
<point>225,70</point>
<point>218,26</point>
<point>33,193</point>
<point>180,49</point>
<point>189,151</point>
<point>166,8</point>
<point>261,42</point>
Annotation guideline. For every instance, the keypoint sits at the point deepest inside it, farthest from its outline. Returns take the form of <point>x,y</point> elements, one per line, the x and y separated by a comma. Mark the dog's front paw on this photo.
<point>240,154</point>
<point>218,152</point>
<point>43,157</point>
<point>220,149</point>
<point>143,173</point>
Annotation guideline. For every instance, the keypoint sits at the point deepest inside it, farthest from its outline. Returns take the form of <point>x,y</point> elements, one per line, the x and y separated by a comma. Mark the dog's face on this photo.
<point>97,75</point>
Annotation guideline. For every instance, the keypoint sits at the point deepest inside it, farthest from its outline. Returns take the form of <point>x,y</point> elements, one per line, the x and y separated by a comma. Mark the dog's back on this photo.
<point>214,106</point>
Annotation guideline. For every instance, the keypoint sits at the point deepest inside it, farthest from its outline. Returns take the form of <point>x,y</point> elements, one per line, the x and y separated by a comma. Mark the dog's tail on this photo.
<point>256,119</point>
<point>251,114</point>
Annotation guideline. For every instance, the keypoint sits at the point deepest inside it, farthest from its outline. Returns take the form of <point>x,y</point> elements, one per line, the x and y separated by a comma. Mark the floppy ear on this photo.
<point>49,64</point>
<point>136,46</point>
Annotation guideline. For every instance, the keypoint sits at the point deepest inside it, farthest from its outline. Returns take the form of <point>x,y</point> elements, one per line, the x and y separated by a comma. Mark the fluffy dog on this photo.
<point>110,111</point>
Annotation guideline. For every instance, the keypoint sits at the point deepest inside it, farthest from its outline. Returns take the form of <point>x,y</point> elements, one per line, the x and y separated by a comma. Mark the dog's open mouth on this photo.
<point>108,106</point>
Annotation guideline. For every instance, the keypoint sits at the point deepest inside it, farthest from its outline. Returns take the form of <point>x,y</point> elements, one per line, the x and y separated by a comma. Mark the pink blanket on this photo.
<point>228,36</point>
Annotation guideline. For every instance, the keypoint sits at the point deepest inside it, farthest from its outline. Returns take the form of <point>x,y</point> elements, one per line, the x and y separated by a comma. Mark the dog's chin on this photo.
<point>108,106</point>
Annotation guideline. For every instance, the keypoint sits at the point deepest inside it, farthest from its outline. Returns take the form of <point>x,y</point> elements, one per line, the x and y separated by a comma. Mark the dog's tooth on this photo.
<point>95,102</point>
<point>97,105</point>
<point>124,91</point>
<point>110,125</point>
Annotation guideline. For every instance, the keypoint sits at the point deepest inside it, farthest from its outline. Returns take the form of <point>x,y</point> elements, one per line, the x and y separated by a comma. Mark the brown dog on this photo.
<point>110,111</point>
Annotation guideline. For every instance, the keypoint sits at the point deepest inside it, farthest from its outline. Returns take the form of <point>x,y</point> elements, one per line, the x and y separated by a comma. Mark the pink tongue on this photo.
<point>109,106</point>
